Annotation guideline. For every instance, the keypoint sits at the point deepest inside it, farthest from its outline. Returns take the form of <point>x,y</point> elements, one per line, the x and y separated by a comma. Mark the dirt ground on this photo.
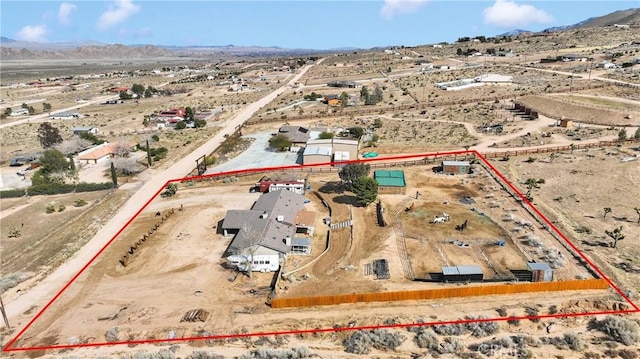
<point>578,209</point>
<point>105,296</point>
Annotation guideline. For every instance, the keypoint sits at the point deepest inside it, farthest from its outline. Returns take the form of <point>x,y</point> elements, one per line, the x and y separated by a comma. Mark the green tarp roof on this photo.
<point>389,178</point>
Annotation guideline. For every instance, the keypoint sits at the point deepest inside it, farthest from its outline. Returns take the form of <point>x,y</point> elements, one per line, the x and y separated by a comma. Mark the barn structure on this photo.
<point>540,272</point>
<point>390,182</point>
<point>462,273</point>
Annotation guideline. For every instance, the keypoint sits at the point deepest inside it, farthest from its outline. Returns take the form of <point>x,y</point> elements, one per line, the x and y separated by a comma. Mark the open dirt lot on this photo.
<point>184,256</point>
<point>578,186</point>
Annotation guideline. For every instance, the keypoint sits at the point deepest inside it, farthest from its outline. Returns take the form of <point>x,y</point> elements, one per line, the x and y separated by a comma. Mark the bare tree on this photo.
<point>607,210</point>
<point>637,209</point>
<point>73,145</point>
<point>127,165</point>
<point>121,149</point>
<point>253,238</point>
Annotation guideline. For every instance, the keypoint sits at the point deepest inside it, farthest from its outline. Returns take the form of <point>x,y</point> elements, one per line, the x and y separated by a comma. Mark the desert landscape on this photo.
<point>127,253</point>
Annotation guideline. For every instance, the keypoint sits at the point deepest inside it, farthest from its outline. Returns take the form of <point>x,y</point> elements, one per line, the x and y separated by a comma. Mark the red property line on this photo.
<point>8,347</point>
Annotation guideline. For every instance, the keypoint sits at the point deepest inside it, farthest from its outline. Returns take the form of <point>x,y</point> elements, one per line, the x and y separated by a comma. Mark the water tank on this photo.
<point>287,240</point>
<point>280,218</point>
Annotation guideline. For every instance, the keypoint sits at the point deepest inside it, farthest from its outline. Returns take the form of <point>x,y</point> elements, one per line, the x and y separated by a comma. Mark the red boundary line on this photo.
<point>635,309</point>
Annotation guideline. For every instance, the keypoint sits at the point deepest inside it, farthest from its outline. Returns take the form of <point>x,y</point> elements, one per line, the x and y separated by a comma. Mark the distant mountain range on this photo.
<point>621,17</point>
<point>11,49</point>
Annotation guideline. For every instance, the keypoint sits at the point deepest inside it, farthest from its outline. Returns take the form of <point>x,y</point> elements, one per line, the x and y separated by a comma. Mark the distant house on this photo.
<point>66,115</point>
<point>494,78</point>
<point>455,167</point>
<point>19,112</point>
<point>99,153</point>
<point>173,112</point>
<point>81,130</point>
<point>390,182</point>
<point>270,227</point>
<point>298,135</point>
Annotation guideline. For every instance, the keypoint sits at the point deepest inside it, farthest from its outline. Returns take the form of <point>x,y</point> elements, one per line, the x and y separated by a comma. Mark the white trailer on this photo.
<point>261,262</point>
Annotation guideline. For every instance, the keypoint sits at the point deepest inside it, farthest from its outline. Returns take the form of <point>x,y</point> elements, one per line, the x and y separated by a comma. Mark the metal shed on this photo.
<point>456,167</point>
<point>540,272</point>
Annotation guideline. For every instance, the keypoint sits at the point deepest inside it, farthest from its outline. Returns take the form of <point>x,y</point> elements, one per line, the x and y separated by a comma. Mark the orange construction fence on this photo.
<point>467,291</point>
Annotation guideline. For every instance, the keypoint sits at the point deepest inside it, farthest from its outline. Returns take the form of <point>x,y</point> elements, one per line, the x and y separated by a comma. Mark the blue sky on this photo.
<point>289,24</point>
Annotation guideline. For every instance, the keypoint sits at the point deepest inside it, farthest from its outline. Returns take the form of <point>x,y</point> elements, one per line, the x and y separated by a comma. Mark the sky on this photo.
<point>308,24</point>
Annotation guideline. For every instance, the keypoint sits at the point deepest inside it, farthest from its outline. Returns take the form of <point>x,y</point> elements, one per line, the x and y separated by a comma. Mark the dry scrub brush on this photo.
<point>361,342</point>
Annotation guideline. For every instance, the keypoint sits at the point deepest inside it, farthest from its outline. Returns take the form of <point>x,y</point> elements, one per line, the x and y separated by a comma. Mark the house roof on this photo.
<point>82,129</point>
<point>317,150</point>
<point>455,163</point>
<point>332,141</point>
<point>390,178</point>
<point>270,232</point>
<point>65,114</point>
<point>101,151</point>
<point>295,134</point>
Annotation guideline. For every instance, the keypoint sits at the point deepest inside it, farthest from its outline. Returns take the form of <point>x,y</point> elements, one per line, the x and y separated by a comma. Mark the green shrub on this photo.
<point>92,187</point>
<point>13,193</point>
<point>50,208</point>
<point>155,138</point>
<point>61,208</point>
<point>79,202</point>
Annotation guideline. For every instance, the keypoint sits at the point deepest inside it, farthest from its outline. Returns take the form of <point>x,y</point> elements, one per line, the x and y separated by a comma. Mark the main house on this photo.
<point>276,225</point>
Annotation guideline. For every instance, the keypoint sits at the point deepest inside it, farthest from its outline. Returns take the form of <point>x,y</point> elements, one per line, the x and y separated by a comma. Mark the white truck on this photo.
<point>261,262</point>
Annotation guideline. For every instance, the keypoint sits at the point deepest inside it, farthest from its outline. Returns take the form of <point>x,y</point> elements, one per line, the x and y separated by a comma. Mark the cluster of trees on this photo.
<point>190,119</point>
<point>312,96</point>
<point>355,177</point>
<point>371,99</point>
<point>138,91</point>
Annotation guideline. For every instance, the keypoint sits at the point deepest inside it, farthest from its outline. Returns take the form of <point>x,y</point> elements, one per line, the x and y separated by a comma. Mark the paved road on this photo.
<point>45,290</point>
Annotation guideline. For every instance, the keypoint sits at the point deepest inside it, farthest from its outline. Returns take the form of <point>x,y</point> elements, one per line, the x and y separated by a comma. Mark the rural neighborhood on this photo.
<point>457,199</point>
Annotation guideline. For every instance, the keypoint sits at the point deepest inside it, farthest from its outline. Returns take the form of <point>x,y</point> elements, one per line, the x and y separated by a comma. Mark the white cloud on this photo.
<point>393,7</point>
<point>65,11</point>
<point>117,13</point>
<point>35,33</point>
<point>508,14</point>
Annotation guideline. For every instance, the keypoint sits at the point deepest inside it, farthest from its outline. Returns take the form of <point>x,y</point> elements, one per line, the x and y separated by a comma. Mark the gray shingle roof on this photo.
<point>269,230</point>
<point>295,134</point>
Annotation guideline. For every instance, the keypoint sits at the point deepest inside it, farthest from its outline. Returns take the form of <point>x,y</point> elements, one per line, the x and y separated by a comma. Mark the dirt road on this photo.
<point>37,118</point>
<point>45,290</point>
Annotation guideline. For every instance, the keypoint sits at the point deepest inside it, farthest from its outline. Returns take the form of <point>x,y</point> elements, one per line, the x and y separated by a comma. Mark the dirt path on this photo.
<point>45,290</point>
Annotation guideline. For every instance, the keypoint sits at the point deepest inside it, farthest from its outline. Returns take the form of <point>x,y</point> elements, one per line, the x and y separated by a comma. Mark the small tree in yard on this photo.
<point>366,190</point>
<point>352,171</point>
<point>616,235</point>
<point>48,136</point>
<point>636,135</point>
<point>114,176</point>
<point>607,210</point>
<point>280,142</point>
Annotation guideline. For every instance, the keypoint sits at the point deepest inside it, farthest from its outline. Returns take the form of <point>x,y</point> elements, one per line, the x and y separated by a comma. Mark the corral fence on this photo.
<point>440,293</point>
<point>574,147</point>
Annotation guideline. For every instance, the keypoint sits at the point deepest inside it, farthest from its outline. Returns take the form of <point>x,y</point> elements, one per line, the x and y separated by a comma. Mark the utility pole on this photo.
<point>4,314</point>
